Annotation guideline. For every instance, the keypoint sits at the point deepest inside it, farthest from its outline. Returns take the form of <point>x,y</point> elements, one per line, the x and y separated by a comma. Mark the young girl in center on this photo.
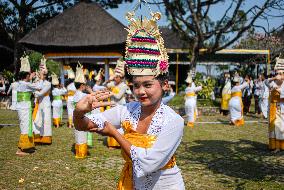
<point>152,131</point>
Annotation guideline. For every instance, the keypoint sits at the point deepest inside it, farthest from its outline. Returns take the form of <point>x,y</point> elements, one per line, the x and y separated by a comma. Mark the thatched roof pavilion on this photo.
<point>85,31</point>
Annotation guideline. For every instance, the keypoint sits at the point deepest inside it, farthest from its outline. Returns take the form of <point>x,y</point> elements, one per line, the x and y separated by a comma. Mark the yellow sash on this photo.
<point>138,140</point>
<point>115,90</point>
<point>225,101</point>
<point>239,94</point>
<point>70,93</point>
<point>36,106</point>
<point>190,94</point>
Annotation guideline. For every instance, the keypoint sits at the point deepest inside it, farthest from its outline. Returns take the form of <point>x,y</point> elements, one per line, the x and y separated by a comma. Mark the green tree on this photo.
<point>193,20</point>
<point>18,17</point>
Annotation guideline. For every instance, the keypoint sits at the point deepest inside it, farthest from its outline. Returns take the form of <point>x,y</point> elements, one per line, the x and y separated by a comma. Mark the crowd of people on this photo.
<point>132,112</point>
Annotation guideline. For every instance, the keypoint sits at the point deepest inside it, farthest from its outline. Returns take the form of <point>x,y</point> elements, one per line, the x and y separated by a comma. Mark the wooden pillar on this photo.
<point>268,63</point>
<point>106,69</point>
<point>177,60</point>
<point>62,80</point>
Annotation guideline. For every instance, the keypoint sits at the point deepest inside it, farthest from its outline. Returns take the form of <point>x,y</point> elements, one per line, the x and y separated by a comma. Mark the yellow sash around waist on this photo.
<point>70,93</point>
<point>190,94</point>
<point>138,140</point>
<point>239,94</point>
<point>36,106</point>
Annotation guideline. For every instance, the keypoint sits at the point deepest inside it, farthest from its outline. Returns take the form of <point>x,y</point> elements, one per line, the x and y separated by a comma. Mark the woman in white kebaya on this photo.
<point>13,87</point>
<point>190,101</point>
<point>150,131</point>
<point>263,98</point>
<point>71,89</point>
<point>57,107</point>
<point>276,107</point>
<point>236,103</point>
<point>24,107</point>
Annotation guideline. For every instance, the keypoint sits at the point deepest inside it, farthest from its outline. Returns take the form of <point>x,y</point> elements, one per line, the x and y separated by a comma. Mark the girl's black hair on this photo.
<point>78,85</point>
<point>234,83</point>
<point>23,75</point>
<point>161,78</point>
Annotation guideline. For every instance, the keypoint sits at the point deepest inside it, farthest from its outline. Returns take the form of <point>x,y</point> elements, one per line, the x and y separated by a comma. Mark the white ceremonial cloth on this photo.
<point>264,95</point>
<point>23,108</point>
<point>70,105</point>
<point>235,105</point>
<point>190,102</point>
<point>13,88</point>
<point>167,126</point>
<point>80,136</point>
<point>42,122</point>
<point>57,104</point>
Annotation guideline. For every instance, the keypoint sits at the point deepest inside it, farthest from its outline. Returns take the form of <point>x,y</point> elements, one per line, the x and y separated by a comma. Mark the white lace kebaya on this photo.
<point>147,163</point>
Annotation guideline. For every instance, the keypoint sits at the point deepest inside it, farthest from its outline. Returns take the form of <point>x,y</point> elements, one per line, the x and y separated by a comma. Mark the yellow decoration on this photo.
<point>138,140</point>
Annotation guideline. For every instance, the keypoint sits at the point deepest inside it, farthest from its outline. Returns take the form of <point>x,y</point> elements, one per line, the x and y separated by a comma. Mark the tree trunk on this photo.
<point>195,54</point>
<point>18,48</point>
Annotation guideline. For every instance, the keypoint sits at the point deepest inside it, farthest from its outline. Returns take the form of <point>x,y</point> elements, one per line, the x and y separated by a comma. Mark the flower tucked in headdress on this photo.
<point>145,52</point>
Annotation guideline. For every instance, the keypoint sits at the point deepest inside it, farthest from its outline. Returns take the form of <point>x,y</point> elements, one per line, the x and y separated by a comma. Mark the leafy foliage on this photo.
<point>208,85</point>
<point>8,75</point>
<point>52,66</point>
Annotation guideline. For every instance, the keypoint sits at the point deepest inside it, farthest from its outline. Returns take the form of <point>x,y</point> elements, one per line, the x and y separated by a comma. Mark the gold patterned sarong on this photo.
<point>138,140</point>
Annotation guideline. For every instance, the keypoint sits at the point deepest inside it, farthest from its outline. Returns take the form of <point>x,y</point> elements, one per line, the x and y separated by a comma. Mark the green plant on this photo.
<point>8,75</point>
<point>34,59</point>
<point>208,85</point>
<point>52,66</point>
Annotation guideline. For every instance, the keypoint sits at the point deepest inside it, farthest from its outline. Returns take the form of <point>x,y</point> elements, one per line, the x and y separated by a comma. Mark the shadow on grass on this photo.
<point>242,159</point>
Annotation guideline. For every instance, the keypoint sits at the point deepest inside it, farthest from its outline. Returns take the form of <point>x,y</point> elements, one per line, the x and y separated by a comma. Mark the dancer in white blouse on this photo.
<point>276,107</point>
<point>82,138</point>
<point>190,100</point>
<point>24,107</point>
<point>71,89</point>
<point>152,131</point>
<point>57,106</point>
<point>42,111</point>
<point>13,87</point>
<point>236,103</point>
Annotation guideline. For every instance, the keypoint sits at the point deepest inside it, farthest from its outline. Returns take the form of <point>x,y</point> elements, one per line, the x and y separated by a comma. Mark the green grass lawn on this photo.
<point>211,157</point>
